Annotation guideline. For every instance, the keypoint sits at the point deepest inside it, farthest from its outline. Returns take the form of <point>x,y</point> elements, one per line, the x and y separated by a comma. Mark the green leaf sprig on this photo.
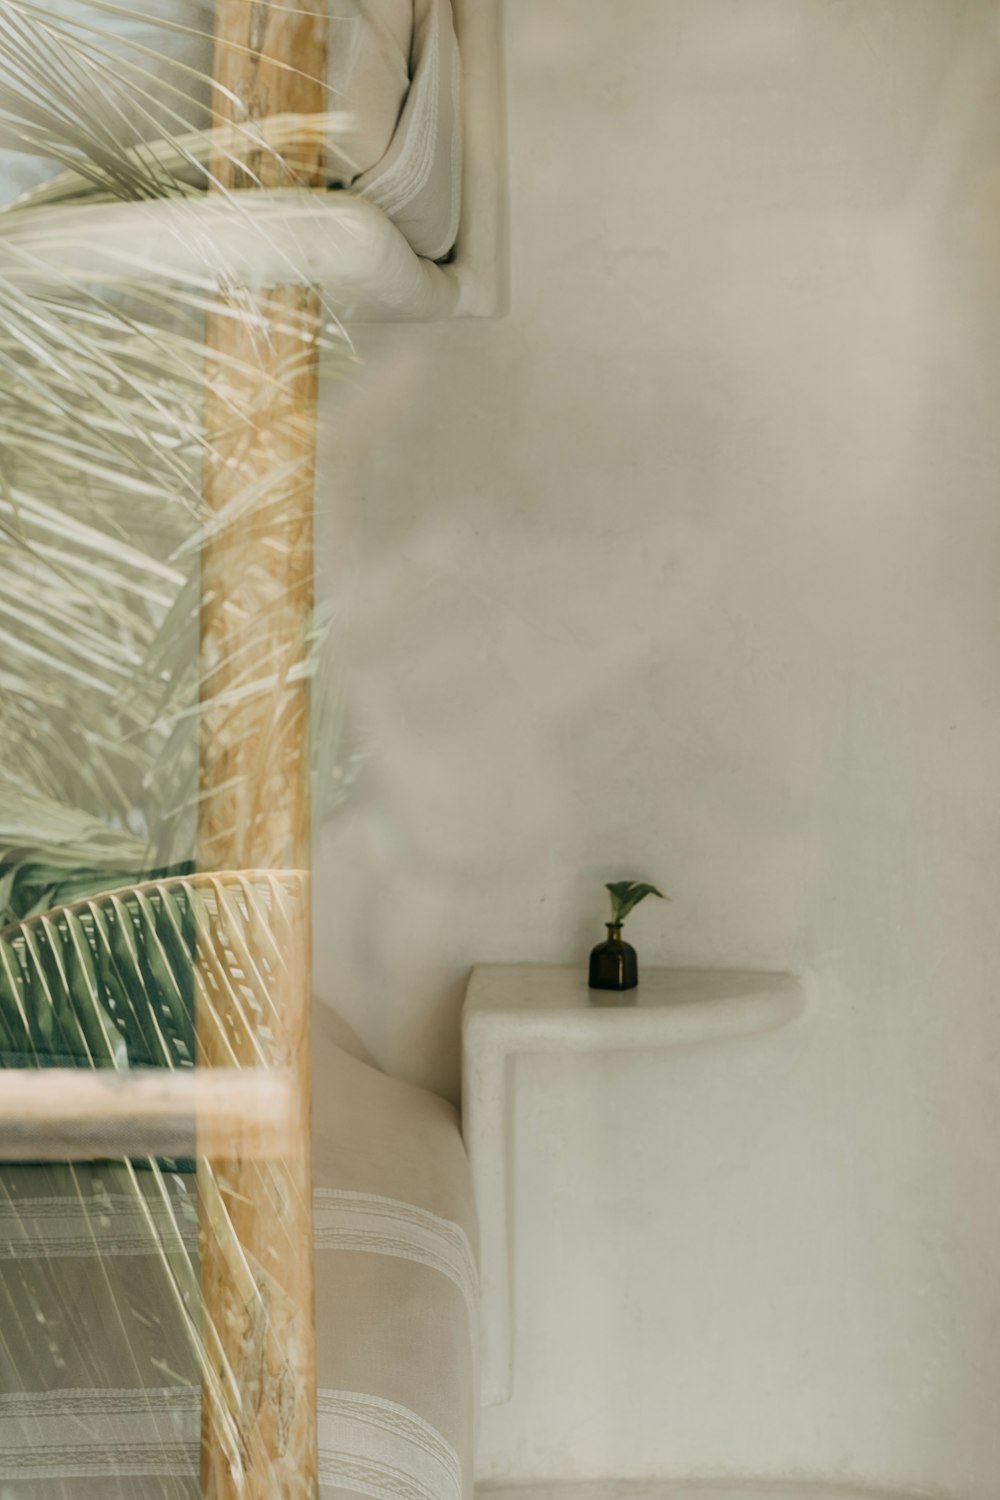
<point>626,895</point>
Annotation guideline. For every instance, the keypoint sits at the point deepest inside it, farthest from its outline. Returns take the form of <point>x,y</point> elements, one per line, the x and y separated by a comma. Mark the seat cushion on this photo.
<point>392,74</point>
<point>99,1388</point>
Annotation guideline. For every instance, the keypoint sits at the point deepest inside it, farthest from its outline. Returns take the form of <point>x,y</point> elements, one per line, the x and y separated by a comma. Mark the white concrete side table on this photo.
<point>523,1008</point>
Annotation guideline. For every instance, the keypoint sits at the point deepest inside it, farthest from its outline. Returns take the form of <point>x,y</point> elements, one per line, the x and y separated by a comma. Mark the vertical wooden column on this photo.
<point>258,1437</point>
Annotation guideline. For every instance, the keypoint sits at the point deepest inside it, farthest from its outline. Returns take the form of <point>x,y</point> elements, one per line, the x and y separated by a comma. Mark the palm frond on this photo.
<point>186,159</point>
<point>131,120</point>
<point>111,979</point>
<point>102,400</point>
<point>103,382</point>
<point>112,982</point>
<point>70,98</point>
<point>87,985</point>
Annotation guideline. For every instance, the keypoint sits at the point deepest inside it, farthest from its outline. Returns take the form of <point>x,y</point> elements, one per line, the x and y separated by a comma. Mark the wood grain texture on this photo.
<point>258,1438</point>
<point>270,59</point>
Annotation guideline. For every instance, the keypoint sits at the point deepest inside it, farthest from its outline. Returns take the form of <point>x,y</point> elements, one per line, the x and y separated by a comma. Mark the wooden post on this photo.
<point>75,1114</point>
<point>258,1438</point>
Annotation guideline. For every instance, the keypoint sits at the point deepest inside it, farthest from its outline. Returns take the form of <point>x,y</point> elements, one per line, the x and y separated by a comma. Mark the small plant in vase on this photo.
<point>613,963</point>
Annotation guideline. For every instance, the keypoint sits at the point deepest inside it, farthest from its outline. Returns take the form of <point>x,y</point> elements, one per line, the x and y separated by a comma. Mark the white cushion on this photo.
<point>392,66</point>
<point>99,1391</point>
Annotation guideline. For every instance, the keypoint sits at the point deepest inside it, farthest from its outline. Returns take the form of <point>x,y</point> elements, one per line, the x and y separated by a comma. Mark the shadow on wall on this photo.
<point>683,570</point>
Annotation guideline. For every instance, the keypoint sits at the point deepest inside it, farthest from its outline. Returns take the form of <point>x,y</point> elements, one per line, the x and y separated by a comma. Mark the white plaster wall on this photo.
<point>689,571</point>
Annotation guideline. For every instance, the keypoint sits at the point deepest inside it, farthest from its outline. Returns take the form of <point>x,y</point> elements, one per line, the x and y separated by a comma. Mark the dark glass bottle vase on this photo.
<point>613,964</point>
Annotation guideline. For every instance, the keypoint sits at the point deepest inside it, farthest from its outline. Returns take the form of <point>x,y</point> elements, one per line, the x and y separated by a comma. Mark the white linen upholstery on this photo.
<point>392,66</point>
<point>418,179</point>
<point>99,1396</point>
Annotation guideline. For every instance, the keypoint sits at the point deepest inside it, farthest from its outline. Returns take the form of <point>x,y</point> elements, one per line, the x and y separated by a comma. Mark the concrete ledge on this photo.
<point>513,1009</point>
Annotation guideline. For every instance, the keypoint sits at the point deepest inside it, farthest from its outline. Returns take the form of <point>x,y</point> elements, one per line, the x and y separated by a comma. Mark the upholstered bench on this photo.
<point>99,1378</point>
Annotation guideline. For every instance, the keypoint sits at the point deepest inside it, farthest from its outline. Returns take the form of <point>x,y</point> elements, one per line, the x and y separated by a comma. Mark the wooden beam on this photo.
<point>258,1436</point>
<point>73,1114</point>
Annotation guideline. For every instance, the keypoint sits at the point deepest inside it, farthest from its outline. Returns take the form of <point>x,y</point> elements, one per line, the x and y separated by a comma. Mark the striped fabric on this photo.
<point>99,1386</point>
<point>386,1226</point>
<point>372,1446</point>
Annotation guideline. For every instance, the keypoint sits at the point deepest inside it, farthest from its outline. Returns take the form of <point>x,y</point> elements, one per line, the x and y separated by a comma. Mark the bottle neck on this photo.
<point>614,931</point>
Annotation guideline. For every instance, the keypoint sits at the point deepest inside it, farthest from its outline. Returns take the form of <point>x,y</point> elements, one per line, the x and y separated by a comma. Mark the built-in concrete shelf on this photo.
<point>512,1009</point>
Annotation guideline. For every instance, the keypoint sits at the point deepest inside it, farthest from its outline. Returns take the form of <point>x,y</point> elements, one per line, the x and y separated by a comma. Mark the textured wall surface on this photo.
<point>688,571</point>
